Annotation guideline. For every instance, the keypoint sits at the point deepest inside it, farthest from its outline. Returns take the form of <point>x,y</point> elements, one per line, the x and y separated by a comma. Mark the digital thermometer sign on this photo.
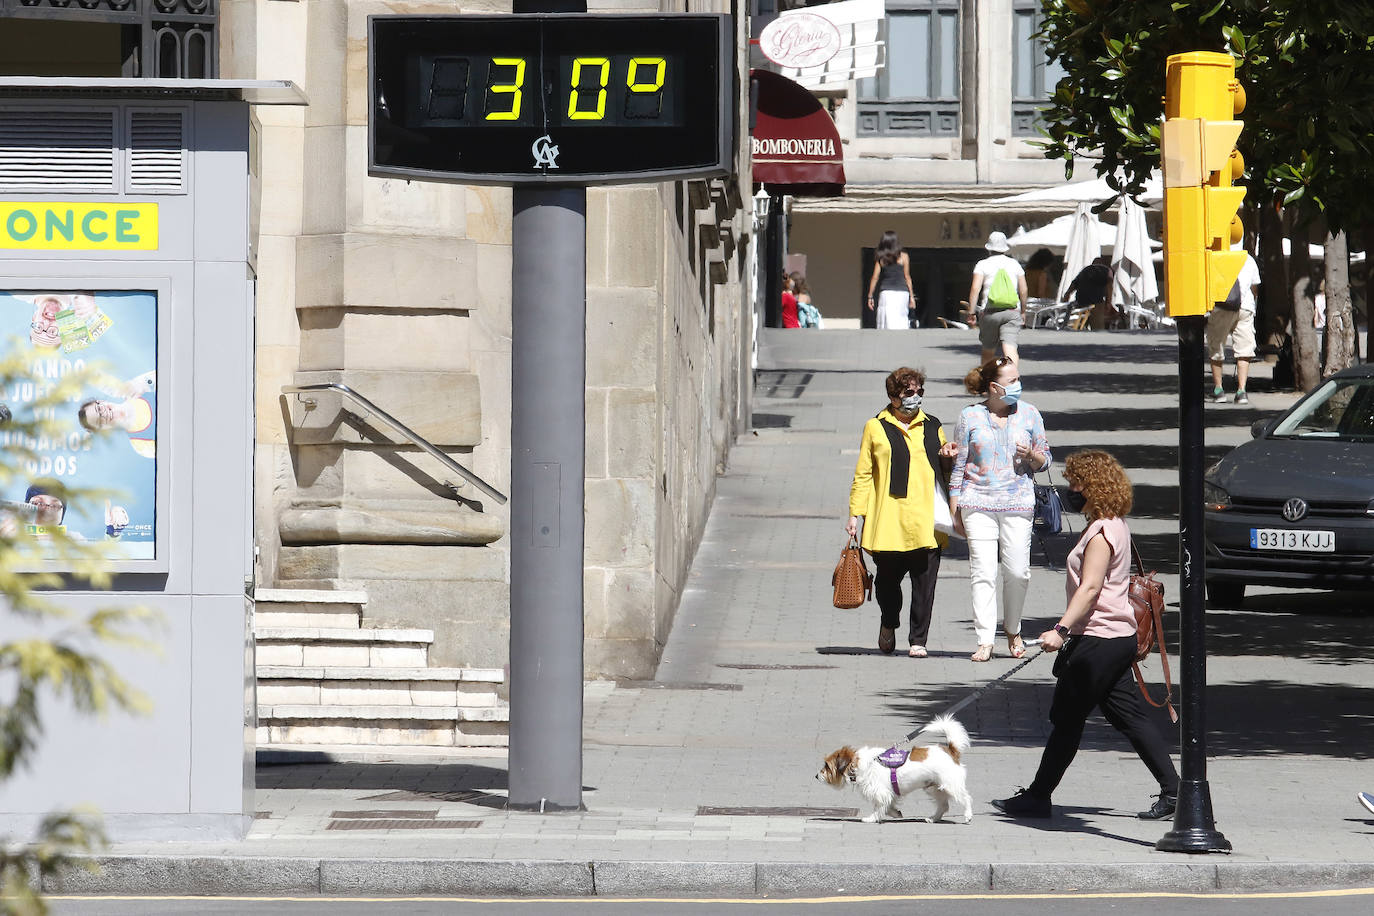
<point>551,99</point>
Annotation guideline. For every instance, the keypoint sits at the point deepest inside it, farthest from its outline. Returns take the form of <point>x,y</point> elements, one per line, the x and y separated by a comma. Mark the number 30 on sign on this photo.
<point>621,90</point>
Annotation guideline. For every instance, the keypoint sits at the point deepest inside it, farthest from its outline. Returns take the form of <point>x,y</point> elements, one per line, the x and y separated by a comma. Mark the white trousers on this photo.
<point>994,537</point>
<point>892,310</point>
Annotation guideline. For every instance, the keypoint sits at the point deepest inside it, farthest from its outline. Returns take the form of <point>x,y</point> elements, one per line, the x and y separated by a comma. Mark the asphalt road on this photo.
<point>1318,903</point>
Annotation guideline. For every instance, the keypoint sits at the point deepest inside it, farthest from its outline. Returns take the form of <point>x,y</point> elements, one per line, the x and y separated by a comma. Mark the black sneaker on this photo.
<point>1242,397</point>
<point>1163,807</point>
<point>1023,804</point>
<point>1219,396</point>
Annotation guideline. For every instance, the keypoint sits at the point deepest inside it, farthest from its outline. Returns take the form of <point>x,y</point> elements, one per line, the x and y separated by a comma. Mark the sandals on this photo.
<point>917,652</point>
<point>1016,646</point>
<point>983,654</point>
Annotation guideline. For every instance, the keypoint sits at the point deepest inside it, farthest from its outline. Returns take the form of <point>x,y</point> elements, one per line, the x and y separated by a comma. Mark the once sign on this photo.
<point>800,40</point>
<point>62,226</point>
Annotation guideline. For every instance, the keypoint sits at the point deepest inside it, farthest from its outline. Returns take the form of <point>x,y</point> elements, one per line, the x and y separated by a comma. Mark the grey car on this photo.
<point>1295,506</point>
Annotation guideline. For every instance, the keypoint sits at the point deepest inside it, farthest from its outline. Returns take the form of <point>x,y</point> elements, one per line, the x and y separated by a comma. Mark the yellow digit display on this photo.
<point>632,75</point>
<point>512,88</point>
<point>575,113</point>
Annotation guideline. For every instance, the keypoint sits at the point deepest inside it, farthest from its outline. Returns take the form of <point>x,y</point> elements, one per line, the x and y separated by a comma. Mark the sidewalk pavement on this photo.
<point>700,782</point>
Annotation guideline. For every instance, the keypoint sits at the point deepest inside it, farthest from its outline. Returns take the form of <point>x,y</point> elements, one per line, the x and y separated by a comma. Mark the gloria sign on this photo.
<point>85,226</point>
<point>800,40</point>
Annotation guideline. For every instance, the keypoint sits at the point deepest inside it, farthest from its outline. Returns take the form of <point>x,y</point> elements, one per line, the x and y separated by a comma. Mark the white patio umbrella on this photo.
<point>1133,271</point>
<point>1084,245</point>
<point>1054,235</point>
<point>1092,191</point>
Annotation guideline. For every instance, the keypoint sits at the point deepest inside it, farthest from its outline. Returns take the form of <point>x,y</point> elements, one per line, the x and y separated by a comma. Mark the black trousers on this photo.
<point>1097,672</point>
<point>923,565</point>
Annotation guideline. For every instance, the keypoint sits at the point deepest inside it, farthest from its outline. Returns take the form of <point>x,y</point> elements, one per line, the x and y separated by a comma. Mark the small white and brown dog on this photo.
<point>882,777</point>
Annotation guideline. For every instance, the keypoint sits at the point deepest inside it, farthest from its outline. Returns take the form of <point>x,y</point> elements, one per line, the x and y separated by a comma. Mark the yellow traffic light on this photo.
<point>1200,162</point>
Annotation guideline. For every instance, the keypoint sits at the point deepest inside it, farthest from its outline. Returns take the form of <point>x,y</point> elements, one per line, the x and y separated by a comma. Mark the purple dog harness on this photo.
<point>893,758</point>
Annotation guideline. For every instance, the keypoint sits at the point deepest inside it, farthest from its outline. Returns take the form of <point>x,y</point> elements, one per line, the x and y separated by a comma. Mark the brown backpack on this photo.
<point>852,581</point>
<point>1146,594</point>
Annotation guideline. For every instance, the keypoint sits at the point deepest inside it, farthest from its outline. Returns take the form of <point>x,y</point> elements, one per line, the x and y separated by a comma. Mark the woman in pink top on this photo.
<point>1096,640</point>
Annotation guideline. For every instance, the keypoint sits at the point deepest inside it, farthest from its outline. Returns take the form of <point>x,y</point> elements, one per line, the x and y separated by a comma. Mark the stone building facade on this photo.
<point>401,291</point>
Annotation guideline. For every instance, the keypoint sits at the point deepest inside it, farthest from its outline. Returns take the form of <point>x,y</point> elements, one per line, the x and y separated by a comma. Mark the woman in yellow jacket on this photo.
<point>893,496</point>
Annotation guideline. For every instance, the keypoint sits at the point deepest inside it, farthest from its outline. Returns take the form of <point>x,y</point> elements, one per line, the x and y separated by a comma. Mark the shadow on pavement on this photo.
<point>1287,625</point>
<point>1139,457</point>
<point>471,784</point>
<point>1066,821</point>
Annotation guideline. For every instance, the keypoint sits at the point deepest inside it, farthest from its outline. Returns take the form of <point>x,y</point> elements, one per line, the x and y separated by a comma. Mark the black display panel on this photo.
<point>550,98</point>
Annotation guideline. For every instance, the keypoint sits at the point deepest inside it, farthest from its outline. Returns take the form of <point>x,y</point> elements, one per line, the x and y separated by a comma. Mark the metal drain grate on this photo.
<point>684,685</point>
<point>708,810</point>
<point>742,667</point>
<point>406,813</point>
<point>402,824</point>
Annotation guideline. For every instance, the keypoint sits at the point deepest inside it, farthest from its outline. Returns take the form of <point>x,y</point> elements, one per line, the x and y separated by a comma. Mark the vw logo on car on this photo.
<point>1294,510</point>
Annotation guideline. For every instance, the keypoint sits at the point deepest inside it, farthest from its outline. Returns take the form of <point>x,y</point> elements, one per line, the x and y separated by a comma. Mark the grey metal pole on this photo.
<point>548,430</point>
<point>1194,829</point>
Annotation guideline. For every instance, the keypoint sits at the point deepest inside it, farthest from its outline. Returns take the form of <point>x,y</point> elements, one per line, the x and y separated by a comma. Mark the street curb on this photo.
<point>153,875</point>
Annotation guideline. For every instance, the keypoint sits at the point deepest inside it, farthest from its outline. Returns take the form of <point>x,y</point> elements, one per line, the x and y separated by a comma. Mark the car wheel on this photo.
<point>1225,594</point>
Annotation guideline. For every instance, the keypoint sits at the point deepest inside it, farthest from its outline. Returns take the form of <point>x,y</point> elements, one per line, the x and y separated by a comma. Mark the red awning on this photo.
<point>796,149</point>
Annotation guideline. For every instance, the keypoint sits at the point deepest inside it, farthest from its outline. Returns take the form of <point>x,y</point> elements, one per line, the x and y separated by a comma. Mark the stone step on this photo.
<point>308,607</point>
<point>401,686</point>
<point>483,675</point>
<point>410,726</point>
<point>336,647</point>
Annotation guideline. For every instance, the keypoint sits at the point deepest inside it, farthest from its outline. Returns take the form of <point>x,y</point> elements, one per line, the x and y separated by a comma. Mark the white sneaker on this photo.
<point>1367,800</point>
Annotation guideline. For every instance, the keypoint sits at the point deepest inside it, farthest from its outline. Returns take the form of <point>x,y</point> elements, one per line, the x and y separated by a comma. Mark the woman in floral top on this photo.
<point>998,445</point>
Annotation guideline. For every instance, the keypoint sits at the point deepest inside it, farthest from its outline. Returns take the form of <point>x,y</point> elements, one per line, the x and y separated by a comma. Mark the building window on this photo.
<point>917,93</point>
<point>156,39</point>
<point>1033,75</point>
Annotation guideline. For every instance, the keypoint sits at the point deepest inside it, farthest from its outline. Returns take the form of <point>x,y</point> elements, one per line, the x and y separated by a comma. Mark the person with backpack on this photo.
<point>1233,321</point>
<point>897,480</point>
<point>999,293</point>
<point>1096,642</point>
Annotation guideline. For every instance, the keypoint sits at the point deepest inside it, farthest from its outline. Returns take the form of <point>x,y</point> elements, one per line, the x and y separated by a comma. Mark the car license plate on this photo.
<point>1292,539</point>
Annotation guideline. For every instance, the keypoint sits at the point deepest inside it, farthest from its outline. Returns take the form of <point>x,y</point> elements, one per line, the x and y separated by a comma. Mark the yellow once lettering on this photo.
<point>124,227</point>
<point>88,226</point>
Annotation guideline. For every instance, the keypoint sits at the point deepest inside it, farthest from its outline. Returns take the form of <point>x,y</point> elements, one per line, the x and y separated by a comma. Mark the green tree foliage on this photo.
<point>1308,69</point>
<point>46,649</point>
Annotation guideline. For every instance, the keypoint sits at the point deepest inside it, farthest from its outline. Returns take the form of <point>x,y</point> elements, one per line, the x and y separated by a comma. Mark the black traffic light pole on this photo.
<point>1194,830</point>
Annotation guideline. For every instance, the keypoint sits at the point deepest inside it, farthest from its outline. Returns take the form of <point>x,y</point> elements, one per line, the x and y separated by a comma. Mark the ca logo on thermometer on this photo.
<point>545,153</point>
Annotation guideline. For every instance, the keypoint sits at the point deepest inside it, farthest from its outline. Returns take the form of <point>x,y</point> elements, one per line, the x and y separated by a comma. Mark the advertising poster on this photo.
<point>61,332</point>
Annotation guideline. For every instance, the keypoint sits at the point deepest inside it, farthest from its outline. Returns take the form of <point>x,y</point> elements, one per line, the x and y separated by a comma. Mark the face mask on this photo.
<point>1073,501</point>
<point>1011,393</point>
<point>911,403</point>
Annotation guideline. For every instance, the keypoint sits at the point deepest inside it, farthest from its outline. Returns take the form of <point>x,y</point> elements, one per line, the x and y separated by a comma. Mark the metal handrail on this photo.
<point>405,431</point>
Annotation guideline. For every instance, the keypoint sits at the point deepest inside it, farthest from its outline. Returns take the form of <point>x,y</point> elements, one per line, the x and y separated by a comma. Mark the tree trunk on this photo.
<point>1276,309</point>
<point>1306,359</point>
<point>1367,238</point>
<point>1340,318</point>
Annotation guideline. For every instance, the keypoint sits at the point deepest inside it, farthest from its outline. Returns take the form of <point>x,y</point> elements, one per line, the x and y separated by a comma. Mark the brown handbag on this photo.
<point>852,581</point>
<point>1146,594</point>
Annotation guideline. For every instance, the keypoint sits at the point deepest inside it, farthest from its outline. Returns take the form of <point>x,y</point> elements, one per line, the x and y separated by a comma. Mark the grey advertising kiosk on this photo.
<point>126,234</point>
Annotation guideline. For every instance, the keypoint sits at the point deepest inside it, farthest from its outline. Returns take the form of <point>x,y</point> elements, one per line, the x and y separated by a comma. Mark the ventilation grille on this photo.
<point>57,150</point>
<point>157,153</point>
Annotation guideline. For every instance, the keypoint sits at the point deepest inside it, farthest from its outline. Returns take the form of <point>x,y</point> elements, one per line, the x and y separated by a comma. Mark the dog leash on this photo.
<point>972,697</point>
